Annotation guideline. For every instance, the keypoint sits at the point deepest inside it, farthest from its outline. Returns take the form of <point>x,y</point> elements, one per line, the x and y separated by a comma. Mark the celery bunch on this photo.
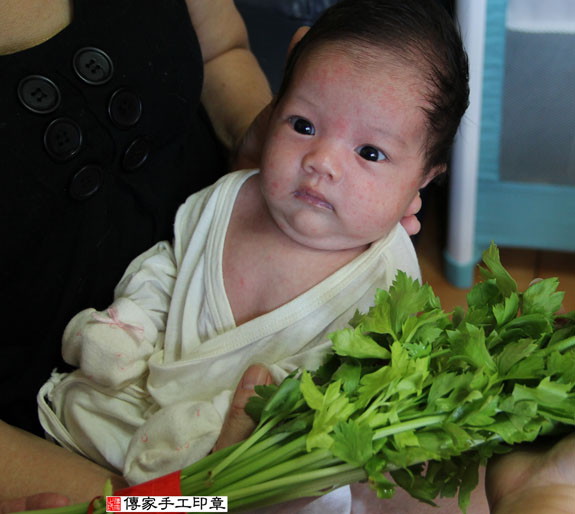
<point>412,390</point>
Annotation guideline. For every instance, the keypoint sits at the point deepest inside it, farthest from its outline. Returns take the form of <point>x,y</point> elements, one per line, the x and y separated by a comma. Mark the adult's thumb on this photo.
<point>238,424</point>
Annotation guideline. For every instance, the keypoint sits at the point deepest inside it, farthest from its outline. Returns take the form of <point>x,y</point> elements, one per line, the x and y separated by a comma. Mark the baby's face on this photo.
<point>344,154</point>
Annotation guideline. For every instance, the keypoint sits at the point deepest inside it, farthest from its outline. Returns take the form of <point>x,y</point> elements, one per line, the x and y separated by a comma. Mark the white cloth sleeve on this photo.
<point>175,436</point>
<point>112,347</point>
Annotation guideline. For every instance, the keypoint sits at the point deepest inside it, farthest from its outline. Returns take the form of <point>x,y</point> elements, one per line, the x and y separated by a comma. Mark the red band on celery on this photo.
<point>167,485</point>
<point>91,505</point>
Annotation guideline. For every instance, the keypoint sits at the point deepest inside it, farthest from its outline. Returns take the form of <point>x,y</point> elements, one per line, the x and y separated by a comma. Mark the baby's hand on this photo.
<point>112,347</point>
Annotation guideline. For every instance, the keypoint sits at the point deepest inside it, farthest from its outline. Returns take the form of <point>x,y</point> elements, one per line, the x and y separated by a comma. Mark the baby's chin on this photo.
<point>320,230</point>
<point>329,244</point>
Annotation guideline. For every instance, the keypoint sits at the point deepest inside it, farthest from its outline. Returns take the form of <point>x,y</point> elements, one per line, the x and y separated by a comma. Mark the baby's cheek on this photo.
<point>368,213</point>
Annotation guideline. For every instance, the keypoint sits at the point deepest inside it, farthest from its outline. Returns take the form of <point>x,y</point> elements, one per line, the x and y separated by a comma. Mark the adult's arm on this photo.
<point>31,465</point>
<point>235,87</point>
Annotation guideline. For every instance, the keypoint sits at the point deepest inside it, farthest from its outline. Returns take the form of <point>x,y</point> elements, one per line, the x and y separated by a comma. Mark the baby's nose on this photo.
<point>323,159</point>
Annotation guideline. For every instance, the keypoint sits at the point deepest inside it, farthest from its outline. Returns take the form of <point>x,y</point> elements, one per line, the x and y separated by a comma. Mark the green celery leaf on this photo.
<point>547,393</point>
<point>510,432</point>
<point>408,297</point>
<point>512,353</point>
<point>405,439</point>
<point>302,423</point>
<point>414,380</point>
<point>561,333</point>
<point>506,311</point>
<point>349,373</point>
<point>483,295</point>
<point>441,386</point>
<point>284,399</point>
<point>331,407</point>
<point>528,368</point>
<point>562,367</point>
<point>522,408</point>
<point>445,474</point>
<point>353,343</point>
<point>534,325</point>
<point>424,328</point>
<point>480,317</point>
<point>356,319</point>
<point>416,485</point>
<point>418,350</point>
<point>457,316</point>
<point>493,340</point>
<point>438,443</point>
<point>461,439</point>
<point>352,443</point>
<point>378,319</point>
<point>377,480</point>
<point>325,372</point>
<point>407,456</point>
<point>400,359</point>
<point>257,402</point>
<point>451,394</point>
<point>468,344</point>
<point>469,481</point>
<point>540,297</point>
<point>376,383</point>
<point>482,414</point>
<point>505,282</point>
<point>311,393</point>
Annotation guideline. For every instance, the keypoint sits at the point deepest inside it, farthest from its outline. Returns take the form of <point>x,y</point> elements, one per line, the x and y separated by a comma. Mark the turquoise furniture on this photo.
<point>513,169</point>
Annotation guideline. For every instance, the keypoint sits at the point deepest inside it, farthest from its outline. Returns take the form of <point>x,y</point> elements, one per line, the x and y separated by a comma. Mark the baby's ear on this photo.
<point>299,33</point>
<point>434,172</point>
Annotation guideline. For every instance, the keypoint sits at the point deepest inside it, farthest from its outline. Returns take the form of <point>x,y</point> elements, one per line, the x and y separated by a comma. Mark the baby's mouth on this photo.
<point>313,198</point>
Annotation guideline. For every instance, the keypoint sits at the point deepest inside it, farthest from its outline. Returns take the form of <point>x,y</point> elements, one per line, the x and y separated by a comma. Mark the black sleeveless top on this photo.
<point>102,137</point>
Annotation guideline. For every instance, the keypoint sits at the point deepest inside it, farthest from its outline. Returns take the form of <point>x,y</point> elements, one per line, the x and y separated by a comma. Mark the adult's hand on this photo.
<point>34,502</point>
<point>238,425</point>
<point>247,153</point>
<point>534,480</point>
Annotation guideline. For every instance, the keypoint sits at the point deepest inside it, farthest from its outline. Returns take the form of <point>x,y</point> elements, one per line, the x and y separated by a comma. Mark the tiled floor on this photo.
<point>524,265</point>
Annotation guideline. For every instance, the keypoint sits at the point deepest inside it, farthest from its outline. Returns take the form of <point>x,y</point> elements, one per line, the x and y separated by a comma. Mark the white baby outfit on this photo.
<point>158,369</point>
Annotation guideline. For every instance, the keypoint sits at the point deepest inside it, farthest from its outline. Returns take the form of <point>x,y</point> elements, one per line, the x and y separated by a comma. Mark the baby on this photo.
<point>264,264</point>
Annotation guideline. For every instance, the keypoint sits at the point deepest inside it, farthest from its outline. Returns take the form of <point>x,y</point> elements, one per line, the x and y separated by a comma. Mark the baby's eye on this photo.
<point>302,126</point>
<point>371,153</point>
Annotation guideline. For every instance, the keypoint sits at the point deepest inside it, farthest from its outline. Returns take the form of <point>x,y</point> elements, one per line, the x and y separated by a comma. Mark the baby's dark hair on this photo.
<point>420,33</point>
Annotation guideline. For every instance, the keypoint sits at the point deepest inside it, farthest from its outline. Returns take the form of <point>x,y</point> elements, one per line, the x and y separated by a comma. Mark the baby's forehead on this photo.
<point>369,57</point>
<point>379,93</point>
<point>367,63</point>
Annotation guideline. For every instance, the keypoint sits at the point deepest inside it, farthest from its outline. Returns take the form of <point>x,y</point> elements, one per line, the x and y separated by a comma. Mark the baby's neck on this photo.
<point>263,268</point>
<point>28,23</point>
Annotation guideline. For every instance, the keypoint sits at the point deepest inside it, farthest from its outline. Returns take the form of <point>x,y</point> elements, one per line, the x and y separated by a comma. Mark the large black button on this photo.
<point>93,66</point>
<point>39,94</point>
<point>86,182</point>
<point>125,108</point>
<point>63,139</point>
<point>136,154</point>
